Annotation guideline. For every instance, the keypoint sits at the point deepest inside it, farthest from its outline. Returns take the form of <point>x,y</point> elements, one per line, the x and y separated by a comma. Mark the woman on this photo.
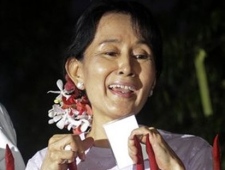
<point>115,59</point>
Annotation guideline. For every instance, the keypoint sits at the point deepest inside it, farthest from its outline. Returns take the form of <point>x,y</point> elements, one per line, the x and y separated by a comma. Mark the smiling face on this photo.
<point>118,69</point>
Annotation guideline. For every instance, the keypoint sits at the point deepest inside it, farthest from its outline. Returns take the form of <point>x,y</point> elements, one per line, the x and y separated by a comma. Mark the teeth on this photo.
<point>122,87</point>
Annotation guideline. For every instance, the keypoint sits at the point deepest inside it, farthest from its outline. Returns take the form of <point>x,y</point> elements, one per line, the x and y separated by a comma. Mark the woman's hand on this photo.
<point>58,156</point>
<point>166,158</point>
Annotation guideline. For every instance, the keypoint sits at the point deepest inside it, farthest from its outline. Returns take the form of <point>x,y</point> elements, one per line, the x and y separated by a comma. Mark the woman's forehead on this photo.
<point>116,25</point>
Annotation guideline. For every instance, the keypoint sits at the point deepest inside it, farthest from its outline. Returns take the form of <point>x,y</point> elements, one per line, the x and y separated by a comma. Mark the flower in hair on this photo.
<point>71,108</point>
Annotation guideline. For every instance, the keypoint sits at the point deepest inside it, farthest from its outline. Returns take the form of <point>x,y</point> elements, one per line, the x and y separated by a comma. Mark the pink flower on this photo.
<point>70,87</point>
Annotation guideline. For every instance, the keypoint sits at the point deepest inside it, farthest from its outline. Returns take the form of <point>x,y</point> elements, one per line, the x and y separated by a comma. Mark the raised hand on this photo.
<point>58,155</point>
<point>166,158</point>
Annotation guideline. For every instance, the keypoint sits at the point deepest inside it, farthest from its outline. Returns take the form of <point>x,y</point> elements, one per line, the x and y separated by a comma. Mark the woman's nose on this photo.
<point>126,67</point>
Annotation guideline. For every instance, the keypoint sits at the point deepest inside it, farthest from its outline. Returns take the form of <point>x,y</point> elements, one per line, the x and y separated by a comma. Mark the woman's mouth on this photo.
<point>122,90</point>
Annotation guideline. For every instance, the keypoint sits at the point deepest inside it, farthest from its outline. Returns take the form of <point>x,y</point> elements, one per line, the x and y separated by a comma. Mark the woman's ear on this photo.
<point>154,84</point>
<point>74,70</point>
<point>152,88</point>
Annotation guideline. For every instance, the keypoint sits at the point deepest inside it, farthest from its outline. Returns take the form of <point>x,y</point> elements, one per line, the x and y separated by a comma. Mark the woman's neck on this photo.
<point>98,133</point>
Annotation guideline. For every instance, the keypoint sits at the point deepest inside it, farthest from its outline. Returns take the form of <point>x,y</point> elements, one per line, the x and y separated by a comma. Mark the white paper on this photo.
<point>118,132</point>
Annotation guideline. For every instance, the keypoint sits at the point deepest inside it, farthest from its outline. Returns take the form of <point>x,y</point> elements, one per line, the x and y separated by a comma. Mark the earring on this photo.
<point>151,93</point>
<point>80,85</point>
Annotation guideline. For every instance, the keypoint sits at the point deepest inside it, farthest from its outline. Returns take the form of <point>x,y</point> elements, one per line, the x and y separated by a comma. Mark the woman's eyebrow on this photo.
<point>109,41</point>
<point>142,42</point>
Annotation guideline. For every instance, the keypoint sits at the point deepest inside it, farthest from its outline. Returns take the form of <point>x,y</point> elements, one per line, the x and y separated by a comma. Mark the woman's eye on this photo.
<point>110,53</point>
<point>141,56</point>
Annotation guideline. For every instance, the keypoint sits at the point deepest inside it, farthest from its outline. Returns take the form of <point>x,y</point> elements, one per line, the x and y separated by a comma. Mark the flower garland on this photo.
<point>71,108</point>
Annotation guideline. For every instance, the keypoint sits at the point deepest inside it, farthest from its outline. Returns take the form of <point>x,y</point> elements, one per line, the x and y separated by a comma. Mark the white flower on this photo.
<point>56,113</point>
<point>68,116</point>
<point>62,92</point>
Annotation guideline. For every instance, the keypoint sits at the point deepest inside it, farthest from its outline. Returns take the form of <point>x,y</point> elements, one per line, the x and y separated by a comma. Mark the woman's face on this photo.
<point>118,68</point>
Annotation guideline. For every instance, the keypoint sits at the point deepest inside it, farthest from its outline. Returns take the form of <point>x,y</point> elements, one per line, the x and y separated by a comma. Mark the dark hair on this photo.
<point>142,20</point>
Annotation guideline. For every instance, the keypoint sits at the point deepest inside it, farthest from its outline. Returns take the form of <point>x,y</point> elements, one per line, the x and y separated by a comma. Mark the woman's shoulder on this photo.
<point>194,151</point>
<point>183,139</point>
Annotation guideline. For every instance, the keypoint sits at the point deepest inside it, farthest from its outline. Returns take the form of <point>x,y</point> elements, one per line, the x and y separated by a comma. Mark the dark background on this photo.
<point>35,35</point>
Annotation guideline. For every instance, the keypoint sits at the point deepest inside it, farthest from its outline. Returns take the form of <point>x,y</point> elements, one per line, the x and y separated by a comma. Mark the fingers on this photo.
<point>140,134</point>
<point>63,149</point>
<point>157,142</point>
<point>132,149</point>
<point>143,131</point>
<point>61,142</point>
<point>163,153</point>
<point>57,159</point>
<point>62,157</point>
